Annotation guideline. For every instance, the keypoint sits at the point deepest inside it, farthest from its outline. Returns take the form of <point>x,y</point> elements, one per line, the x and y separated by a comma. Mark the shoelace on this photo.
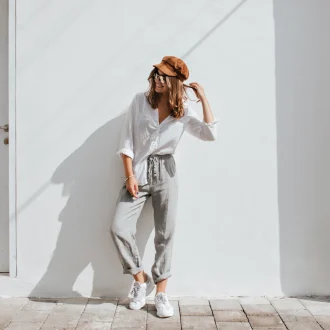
<point>161,299</point>
<point>135,292</point>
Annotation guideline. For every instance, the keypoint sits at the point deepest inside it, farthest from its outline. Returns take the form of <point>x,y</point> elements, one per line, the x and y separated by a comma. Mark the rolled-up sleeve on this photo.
<point>199,128</point>
<point>126,140</point>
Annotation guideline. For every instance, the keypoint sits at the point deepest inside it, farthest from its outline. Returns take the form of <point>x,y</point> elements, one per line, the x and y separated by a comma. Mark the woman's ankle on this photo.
<point>140,277</point>
<point>145,277</point>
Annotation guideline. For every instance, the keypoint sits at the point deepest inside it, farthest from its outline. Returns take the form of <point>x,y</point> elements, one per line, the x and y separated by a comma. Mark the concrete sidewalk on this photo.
<point>234,313</point>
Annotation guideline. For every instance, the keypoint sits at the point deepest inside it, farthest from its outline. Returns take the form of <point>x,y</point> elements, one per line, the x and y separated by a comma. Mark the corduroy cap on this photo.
<point>174,67</point>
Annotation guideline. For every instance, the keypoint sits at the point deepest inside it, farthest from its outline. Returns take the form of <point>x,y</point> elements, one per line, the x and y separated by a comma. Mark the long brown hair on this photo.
<point>177,94</point>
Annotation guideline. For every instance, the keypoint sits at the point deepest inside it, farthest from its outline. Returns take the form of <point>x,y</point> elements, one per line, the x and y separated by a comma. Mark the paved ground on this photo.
<point>190,313</point>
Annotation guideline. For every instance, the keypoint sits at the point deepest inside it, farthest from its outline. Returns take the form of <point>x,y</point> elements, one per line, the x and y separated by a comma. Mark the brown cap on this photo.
<point>174,67</point>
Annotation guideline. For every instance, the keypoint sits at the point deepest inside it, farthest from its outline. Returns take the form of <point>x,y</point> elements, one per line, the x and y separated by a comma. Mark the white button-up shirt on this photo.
<point>142,135</point>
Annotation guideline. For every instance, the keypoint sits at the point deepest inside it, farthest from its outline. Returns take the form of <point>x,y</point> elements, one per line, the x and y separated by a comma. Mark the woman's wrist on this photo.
<point>130,176</point>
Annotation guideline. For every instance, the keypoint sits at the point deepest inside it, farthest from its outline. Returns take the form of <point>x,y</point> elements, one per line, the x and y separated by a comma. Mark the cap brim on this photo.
<point>165,69</point>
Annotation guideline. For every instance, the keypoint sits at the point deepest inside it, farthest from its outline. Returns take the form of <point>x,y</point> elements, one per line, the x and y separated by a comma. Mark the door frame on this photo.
<point>12,137</point>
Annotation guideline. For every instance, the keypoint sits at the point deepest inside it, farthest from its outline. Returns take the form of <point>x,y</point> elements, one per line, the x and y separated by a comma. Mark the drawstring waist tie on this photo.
<point>154,162</point>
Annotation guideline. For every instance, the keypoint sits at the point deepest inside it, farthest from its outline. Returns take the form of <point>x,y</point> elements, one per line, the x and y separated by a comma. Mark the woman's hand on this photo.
<point>198,89</point>
<point>132,186</point>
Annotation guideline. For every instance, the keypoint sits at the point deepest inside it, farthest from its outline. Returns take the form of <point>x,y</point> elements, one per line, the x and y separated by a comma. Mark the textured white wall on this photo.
<point>79,64</point>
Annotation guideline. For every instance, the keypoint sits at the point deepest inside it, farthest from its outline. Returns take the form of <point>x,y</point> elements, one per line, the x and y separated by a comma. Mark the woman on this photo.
<point>152,130</point>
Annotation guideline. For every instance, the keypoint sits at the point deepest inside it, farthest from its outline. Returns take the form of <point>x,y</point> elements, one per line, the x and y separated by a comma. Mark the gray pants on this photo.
<point>162,186</point>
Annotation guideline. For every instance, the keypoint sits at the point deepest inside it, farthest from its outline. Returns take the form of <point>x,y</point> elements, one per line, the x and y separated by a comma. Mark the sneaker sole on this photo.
<point>137,308</point>
<point>163,316</point>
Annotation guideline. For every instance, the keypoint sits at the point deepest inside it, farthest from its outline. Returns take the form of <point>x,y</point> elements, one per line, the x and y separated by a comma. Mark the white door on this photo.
<point>4,150</point>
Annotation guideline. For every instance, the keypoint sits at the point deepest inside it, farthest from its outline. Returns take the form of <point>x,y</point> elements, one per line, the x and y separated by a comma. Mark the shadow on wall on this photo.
<point>90,178</point>
<point>303,127</point>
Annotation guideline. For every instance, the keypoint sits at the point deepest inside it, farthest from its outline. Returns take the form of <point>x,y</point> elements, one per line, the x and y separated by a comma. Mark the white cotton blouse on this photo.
<point>142,135</point>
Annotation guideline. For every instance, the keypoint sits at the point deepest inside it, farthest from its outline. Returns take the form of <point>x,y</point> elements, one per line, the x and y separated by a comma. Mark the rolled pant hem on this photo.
<point>162,277</point>
<point>133,271</point>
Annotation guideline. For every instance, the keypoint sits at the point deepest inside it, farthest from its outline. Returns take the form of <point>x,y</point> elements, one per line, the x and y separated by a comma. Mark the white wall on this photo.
<point>79,64</point>
<point>303,126</point>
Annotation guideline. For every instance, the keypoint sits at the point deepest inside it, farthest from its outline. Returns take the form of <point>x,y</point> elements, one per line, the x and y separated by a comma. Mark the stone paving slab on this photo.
<point>315,302</point>
<point>287,304</point>
<point>58,327</point>
<point>266,321</point>
<point>319,311</point>
<point>197,310</point>
<point>253,300</point>
<point>233,325</point>
<point>230,316</point>
<point>193,301</point>
<point>198,322</point>
<point>70,306</point>
<point>61,320</point>
<point>95,305</point>
<point>30,317</point>
<point>13,301</point>
<point>100,316</point>
<point>94,325</point>
<point>225,304</point>
<point>259,309</point>
<point>324,321</point>
<point>6,317</point>
<point>236,313</point>
<point>162,323</point>
<point>303,326</point>
<point>127,318</point>
<point>297,316</point>
<point>39,306</point>
<point>24,326</point>
<point>271,328</point>
<point>98,310</point>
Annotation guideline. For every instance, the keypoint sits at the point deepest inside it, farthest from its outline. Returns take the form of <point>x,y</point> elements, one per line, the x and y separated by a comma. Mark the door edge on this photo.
<point>12,138</point>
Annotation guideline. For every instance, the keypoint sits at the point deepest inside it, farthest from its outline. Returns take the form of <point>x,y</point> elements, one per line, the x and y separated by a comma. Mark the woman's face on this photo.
<point>159,87</point>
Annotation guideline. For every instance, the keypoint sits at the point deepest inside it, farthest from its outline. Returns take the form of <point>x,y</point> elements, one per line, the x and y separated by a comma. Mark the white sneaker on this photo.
<point>163,306</point>
<point>138,294</point>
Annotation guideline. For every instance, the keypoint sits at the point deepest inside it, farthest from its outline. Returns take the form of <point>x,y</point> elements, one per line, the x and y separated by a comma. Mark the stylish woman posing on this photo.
<point>154,124</point>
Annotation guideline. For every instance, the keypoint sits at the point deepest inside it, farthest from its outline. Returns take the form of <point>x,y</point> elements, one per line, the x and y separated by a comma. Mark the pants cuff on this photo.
<point>133,271</point>
<point>162,277</point>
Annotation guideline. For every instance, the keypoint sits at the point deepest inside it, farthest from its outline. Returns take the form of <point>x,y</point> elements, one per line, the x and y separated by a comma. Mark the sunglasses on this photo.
<point>161,78</point>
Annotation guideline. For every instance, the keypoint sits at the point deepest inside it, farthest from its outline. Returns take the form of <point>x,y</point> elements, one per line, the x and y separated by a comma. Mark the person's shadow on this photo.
<point>91,177</point>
